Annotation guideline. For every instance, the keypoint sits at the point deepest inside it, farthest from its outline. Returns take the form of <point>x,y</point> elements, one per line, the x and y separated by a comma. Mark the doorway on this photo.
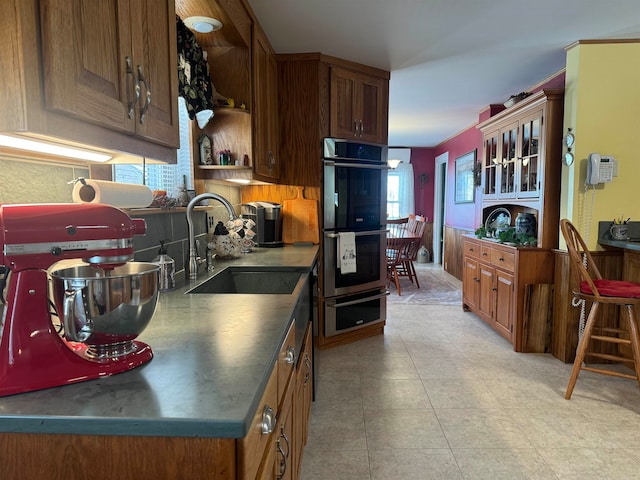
<point>439,206</point>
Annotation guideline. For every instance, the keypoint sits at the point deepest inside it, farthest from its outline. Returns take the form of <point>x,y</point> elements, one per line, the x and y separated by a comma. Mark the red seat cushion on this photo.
<point>613,288</point>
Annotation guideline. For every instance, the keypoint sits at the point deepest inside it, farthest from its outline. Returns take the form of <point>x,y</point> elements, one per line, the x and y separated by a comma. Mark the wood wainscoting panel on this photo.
<point>566,318</point>
<point>453,250</point>
<point>538,315</point>
<point>427,239</point>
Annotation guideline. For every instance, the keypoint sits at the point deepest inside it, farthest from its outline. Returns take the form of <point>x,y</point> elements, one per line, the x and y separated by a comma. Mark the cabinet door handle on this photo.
<point>147,97</point>
<point>290,355</point>
<point>271,160</point>
<point>268,420</point>
<point>283,462</point>
<point>131,103</point>
<point>355,128</point>
<point>361,128</point>
<point>283,436</point>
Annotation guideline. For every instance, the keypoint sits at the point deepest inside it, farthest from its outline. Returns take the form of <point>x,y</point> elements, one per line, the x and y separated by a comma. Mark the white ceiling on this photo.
<point>448,59</point>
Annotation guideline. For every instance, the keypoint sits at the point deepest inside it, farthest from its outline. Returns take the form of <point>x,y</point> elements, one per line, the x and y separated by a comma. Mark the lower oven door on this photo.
<point>351,312</point>
<point>371,264</point>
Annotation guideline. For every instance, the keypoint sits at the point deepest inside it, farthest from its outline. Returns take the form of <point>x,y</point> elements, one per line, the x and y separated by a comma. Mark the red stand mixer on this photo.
<point>102,305</point>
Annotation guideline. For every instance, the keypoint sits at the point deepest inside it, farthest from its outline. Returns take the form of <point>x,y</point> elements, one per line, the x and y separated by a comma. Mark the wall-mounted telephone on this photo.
<point>601,169</point>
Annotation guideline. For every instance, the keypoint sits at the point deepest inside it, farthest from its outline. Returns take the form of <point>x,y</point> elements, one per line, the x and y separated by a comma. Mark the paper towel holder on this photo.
<point>86,193</point>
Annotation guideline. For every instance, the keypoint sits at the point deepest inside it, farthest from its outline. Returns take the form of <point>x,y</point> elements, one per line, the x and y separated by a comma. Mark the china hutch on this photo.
<point>521,162</point>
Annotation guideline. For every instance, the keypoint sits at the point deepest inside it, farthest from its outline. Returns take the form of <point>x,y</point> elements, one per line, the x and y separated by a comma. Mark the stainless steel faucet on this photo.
<point>194,258</point>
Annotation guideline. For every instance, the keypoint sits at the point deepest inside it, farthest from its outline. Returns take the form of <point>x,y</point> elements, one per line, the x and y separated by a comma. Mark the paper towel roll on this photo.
<point>123,195</point>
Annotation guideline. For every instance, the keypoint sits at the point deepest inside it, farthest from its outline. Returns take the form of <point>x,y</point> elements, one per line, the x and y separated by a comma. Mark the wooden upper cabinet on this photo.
<point>155,55</point>
<point>113,63</point>
<point>359,106</point>
<point>321,97</point>
<point>266,165</point>
<point>88,79</point>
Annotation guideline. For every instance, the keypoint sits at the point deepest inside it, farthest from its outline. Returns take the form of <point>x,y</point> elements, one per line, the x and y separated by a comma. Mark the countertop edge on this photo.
<point>624,244</point>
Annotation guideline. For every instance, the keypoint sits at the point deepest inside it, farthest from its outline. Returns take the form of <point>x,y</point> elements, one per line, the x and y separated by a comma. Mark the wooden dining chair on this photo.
<point>414,222</point>
<point>395,251</point>
<point>395,247</point>
<point>592,288</point>
<point>415,229</point>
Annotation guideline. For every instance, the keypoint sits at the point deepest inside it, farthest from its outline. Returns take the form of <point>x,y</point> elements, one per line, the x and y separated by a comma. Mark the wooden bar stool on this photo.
<point>593,288</point>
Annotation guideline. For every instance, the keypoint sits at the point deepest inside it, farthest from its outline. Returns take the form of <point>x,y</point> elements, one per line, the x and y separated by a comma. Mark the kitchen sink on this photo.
<point>252,280</point>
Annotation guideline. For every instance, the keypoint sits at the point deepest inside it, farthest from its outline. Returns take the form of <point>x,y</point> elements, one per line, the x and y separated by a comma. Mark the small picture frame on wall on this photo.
<point>465,178</point>
<point>206,149</point>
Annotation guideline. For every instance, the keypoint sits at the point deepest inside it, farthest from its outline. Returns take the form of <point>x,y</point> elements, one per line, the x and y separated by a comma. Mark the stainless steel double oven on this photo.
<point>354,192</point>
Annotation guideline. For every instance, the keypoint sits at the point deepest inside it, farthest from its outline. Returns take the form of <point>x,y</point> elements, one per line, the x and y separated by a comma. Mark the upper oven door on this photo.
<point>354,195</point>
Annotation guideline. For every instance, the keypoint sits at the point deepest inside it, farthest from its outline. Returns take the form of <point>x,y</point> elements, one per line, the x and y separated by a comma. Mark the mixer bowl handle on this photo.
<point>74,316</point>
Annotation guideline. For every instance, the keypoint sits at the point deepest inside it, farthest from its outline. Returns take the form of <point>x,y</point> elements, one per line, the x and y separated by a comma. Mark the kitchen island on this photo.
<point>213,357</point>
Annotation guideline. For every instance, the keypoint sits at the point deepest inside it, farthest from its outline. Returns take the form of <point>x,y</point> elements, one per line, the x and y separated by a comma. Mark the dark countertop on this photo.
<point>624,244</point>
<point>213,354</point>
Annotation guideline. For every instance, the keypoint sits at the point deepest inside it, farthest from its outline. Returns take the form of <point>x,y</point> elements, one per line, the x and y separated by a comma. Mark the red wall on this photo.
<point>465,215</point>
<point>423,161</point>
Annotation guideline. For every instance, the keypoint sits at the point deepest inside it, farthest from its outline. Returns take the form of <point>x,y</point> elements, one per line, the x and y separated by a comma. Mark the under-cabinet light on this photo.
<point>52,149</point>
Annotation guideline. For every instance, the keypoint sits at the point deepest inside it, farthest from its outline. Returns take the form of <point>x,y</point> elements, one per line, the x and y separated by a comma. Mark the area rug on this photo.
<point>437,287</point>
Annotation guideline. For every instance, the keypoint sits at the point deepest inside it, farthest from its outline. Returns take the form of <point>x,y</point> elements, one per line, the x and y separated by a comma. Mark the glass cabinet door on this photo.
<point>529,161</point>
<point>490,166</point>
<point>508,162</point>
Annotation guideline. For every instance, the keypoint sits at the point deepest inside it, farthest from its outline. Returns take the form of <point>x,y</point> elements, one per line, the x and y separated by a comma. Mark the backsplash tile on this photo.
<point>24,181</point>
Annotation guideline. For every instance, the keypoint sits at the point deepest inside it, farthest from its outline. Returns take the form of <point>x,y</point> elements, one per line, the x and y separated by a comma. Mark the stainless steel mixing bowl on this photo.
<point>106,309</point>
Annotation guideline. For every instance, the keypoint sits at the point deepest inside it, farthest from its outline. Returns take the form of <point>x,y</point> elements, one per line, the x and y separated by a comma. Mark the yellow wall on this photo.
<point>602,106</point>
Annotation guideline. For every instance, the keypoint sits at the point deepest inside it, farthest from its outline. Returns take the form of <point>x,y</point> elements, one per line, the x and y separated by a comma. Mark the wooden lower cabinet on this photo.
<point>303,399</point>
<point>285,437</point>
<point>487,299</point>
<point>256,445</point>
<point>504,289</point>
<point>494,281</point>
<point>282,456</point>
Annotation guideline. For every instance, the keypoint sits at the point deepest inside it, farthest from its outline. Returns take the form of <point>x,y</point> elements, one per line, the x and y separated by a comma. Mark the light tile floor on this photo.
<point>442,396</point>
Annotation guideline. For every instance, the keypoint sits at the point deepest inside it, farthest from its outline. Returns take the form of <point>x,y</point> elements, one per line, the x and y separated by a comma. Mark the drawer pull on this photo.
<point>484,254</point>
<point>290,355</point>
<point>501,259</point>
<point>268,420</point>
